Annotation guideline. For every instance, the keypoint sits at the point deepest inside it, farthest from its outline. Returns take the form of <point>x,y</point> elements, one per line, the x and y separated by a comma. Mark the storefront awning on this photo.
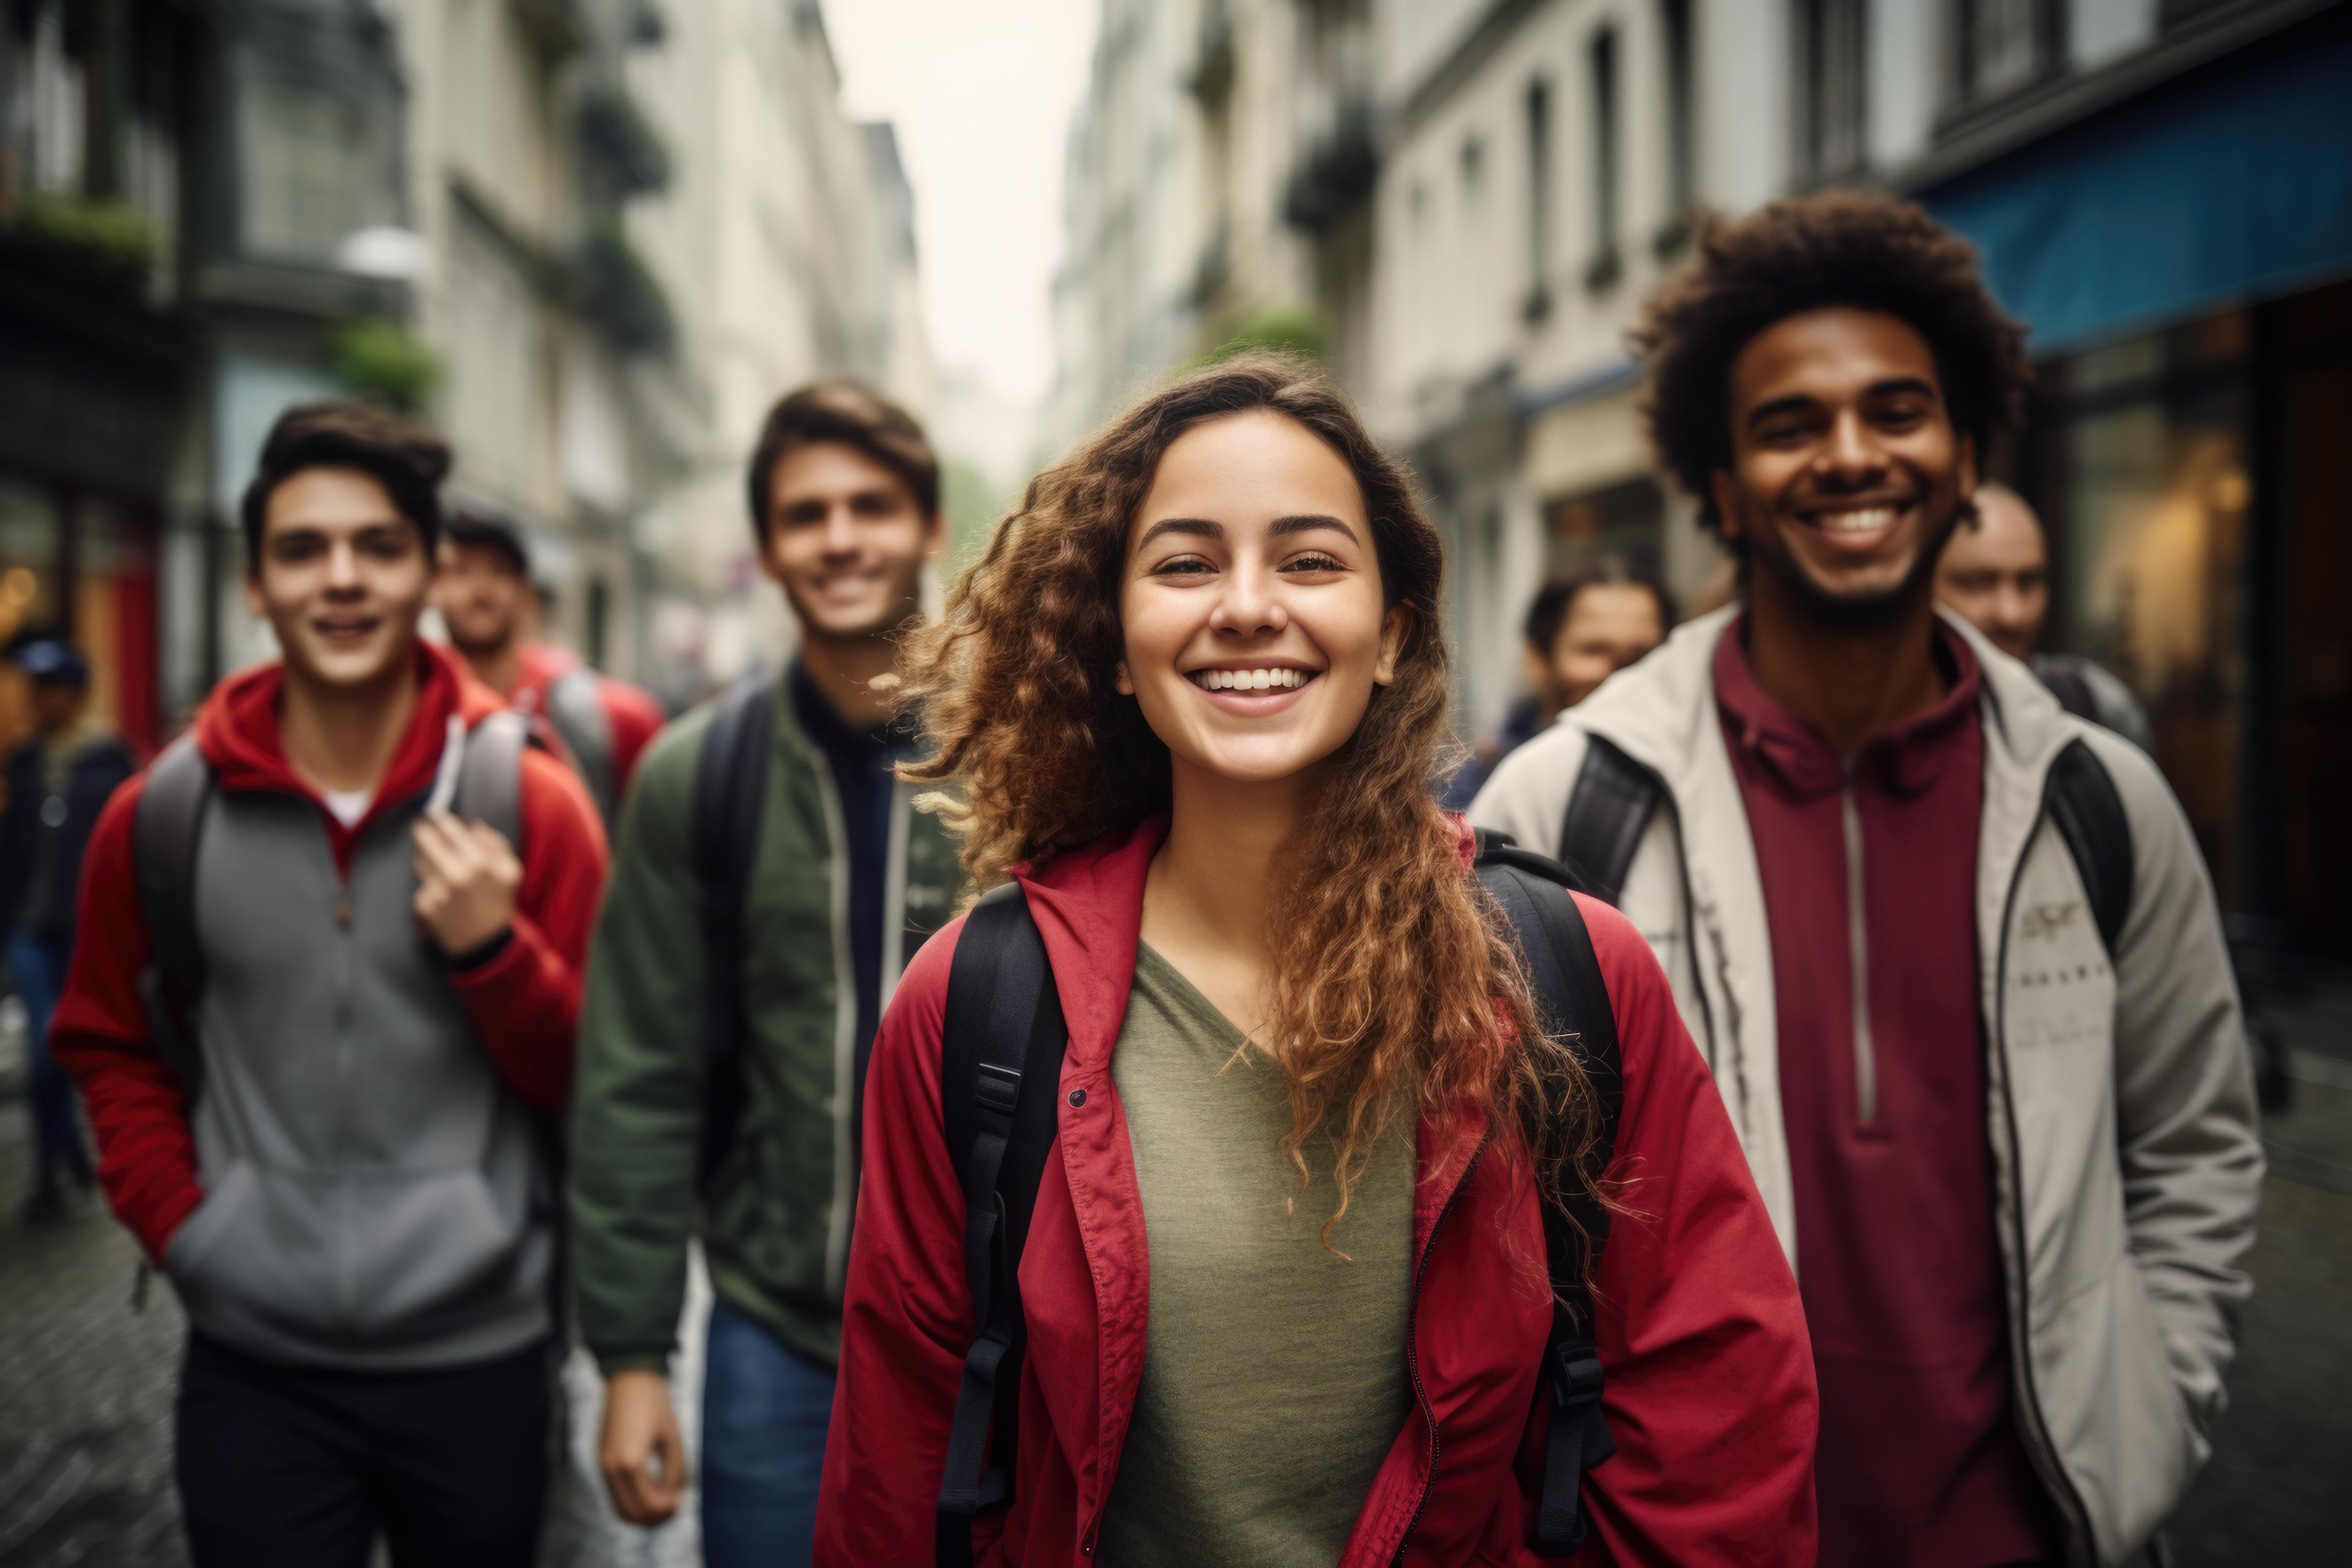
<point>2228,185</point>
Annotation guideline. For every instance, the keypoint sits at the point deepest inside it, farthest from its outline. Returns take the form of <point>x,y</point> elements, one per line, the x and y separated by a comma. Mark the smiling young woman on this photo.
<point>1284,1285</point>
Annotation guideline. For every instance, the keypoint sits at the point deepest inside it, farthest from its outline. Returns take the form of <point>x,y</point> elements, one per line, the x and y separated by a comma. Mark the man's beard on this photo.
<point>1870,611</point>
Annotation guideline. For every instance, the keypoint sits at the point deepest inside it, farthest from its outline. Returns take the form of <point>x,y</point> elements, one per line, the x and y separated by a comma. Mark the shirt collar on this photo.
<point>1904,760</point>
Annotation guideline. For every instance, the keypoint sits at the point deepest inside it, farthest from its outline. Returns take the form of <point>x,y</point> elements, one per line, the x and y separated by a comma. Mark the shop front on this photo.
<point>2185,264</point>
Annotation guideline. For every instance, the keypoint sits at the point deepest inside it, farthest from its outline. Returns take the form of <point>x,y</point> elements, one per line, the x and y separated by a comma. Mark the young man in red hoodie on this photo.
<point>331,1144</point>
<point>488,603</point>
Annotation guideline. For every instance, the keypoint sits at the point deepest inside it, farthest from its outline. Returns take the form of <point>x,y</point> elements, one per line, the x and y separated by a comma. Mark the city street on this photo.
<point>85,1451</point>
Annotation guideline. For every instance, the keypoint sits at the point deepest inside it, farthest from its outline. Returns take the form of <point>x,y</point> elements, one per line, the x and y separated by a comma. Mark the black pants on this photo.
<point>304,1468</point>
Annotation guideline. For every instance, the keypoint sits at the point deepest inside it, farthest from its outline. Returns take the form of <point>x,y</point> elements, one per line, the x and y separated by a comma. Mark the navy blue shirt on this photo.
<point>861,760</point>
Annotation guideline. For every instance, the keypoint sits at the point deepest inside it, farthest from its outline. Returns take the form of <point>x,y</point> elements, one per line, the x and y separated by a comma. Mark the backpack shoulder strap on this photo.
<point>490,775</point>
<point>1608,812</point>
<point>731,790</point>
<point>2070,687</point>
<point>166,827</point>
<point>1000,1080</point>
<point>1565,974</point>
<point>576,708</point>
<point>2090,817</point>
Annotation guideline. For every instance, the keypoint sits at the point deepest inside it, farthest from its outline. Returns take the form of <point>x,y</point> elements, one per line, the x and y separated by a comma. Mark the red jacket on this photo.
<point>1710,1381</point>
<point>524,999</point>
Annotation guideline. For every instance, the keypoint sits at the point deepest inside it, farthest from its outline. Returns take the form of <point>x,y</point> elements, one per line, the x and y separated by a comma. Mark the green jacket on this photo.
<point>775,1220</point>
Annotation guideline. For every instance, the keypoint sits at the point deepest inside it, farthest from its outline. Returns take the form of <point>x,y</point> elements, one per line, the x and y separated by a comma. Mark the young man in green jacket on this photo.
<point>838,883</point>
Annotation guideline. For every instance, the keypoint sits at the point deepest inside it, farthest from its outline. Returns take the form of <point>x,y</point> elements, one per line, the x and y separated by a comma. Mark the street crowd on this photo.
<point>1782,1098</point>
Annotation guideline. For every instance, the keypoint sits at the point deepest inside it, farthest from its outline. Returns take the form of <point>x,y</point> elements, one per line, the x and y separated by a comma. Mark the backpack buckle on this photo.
<point>999,1087</point>
<point>1576,1376</point>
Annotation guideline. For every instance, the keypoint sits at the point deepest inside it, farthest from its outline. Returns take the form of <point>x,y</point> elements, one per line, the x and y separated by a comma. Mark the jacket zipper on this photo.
<point>2036,1426</point>
<point>1413,1353</point>
<point>1857,950</point>
<point>845,1035</point>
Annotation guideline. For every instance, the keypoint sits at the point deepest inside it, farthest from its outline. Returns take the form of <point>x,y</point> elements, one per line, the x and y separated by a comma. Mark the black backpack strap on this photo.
<point>2070,687</point>
<point>1608,812</point>
<point>166,827</point>
<point>731,790</point>
<point>490,775</point>
<point>1000,1078</point>
<point>2090,817</point>
<point>576,708</point>
<point>1565,974</point>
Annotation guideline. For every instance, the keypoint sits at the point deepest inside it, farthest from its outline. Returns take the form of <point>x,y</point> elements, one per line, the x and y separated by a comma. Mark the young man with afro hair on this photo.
<point>1950,951</point>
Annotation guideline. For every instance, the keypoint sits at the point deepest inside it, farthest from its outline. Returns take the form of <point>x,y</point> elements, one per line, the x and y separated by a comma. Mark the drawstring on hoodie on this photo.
<point>444,778</point>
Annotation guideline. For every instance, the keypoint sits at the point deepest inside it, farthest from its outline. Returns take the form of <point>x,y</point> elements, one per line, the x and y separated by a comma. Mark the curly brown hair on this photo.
<point>1392,968</point>
<point>1836,248</point>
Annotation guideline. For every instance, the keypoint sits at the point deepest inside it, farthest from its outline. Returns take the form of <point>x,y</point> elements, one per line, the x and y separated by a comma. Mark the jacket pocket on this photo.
<point>251,1265</point>
<point>436,1253</point>
<point>2117,1413</point>
<point>201,1232</point>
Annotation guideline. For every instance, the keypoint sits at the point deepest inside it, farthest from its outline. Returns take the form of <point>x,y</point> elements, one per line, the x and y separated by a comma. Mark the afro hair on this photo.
<point>1837,248</point>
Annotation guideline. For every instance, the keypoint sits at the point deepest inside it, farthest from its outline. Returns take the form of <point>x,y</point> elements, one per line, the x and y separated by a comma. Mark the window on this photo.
<point>1538,199</point>
<point>1831,97</point>
<point>2000,46</point>
<point>1603,269</point>
<point>1682,148</point>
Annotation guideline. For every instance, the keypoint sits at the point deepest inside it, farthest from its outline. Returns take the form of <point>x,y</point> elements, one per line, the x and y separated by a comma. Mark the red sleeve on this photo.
<point>99,1033</point>
<point>906,1316</point>
<point>525,999</point>
<point>633,719</point>
<point>1710,1374</point>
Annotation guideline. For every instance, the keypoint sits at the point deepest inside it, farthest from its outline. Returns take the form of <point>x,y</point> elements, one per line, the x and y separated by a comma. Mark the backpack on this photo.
<point>1000,1075</point>
<point>730,795</point>
<point>575,710</point>
<point>1614,797</point>
<point>167,826</point>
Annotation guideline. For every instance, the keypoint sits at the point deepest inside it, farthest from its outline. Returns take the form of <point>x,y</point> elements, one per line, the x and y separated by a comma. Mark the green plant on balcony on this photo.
<point>1294,329</point>
<point>620,293</point>
<point>106,246</point>
<point>379,358</point>
<point>624,144</point>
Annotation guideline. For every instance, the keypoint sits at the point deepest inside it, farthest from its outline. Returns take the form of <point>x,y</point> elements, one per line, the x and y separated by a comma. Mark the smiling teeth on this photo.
<point>1858,522</point>
<point>1269,680</point>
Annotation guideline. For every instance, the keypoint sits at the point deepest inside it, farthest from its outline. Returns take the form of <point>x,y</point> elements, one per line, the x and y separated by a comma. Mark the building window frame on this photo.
<point>1539,115</point>
<point>1678,82</point>
<point>1603,79</point>
<point>1995,49</point>
<point>1830,110</point>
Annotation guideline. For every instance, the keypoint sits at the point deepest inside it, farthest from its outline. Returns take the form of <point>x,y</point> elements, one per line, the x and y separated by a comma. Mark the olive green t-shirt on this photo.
<point>1274,1371</point>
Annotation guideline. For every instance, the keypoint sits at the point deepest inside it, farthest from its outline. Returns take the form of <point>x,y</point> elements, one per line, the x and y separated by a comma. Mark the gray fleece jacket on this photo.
<point>2121,1107</point>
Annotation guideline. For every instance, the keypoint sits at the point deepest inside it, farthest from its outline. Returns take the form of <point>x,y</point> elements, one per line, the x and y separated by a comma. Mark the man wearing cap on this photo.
<point>58,782</point>
<point>487,599</point>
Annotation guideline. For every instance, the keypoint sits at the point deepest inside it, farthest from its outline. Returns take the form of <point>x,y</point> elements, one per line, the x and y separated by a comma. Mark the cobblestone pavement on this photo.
<point>86,1382</point>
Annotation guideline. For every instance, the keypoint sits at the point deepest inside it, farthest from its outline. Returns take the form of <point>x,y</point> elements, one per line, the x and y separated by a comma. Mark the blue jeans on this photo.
<point>40,971</point>
<point>765,1409</point>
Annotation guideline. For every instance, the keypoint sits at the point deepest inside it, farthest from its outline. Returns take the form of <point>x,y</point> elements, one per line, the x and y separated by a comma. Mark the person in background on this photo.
<point>1995,572</point>
<point>750,1138</point>
<point>56,783</point>
<point>326,1131</point>
<point>2004,1124</point>
<point>490,606</point>
<point>1585,625</point>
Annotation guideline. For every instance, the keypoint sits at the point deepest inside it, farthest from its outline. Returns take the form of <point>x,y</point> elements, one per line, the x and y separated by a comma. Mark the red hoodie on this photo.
<point>631,715</point>
<point>524,998</point>
<point>1710,1383</point>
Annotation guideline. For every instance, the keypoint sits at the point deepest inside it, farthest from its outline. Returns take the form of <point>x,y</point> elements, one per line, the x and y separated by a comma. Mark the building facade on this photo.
<point>592,239</point>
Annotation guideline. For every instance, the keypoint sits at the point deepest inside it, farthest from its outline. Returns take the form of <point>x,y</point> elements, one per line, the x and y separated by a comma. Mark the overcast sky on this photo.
<point>983,93</point>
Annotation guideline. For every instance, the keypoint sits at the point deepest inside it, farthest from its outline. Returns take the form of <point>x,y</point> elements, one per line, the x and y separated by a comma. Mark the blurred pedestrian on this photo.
<point>328,977</point>
<point>1951,951</point>
<point>1995,572</point>
<point>1584,626</point>
<point>56,781</point>
<point>491,608</point>
<point>771,881</point>
<point>1303,1153</point>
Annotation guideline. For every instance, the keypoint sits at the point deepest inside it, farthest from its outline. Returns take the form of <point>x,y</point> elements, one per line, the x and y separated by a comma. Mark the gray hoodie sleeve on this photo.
<point>2192,1159</point>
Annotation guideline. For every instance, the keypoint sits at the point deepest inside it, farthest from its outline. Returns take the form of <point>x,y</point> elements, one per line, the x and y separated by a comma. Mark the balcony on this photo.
<point>626,151</point>
<point>1337,172</point>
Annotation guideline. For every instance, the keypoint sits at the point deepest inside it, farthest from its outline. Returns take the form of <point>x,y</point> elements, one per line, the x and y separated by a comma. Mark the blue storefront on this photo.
<point>2184,259</point>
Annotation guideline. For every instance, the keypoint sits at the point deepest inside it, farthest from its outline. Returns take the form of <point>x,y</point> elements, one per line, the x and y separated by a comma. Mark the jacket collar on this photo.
<point>1774,744</point>
<point>1660,711</point>
<point>237,729</point>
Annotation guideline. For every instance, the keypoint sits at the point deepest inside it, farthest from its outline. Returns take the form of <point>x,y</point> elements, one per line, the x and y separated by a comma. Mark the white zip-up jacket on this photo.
<point>2120,1099</point>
